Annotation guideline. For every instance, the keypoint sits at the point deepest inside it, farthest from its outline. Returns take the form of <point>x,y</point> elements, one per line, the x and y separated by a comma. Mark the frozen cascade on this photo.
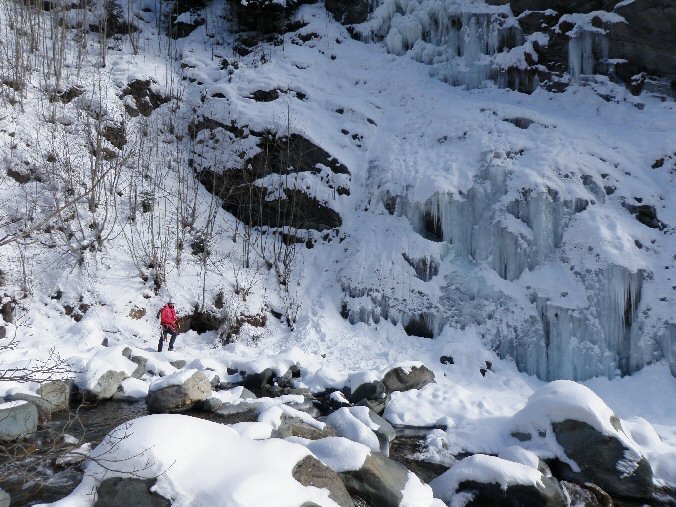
<point>586,51</point>
<point>460,42</point>
<point>490,233</point>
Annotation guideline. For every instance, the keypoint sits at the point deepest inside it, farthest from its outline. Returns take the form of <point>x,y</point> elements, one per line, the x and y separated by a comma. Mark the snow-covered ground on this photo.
<point>522,202</point>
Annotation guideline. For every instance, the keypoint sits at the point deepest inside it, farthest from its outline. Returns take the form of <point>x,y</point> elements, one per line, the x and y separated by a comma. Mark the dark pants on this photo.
<point>167,331</point>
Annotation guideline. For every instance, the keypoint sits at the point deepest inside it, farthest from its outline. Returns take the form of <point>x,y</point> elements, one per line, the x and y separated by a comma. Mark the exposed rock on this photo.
<point>295,427</point>
<point>178,364</point>
<point>348,12</point>
<point>125,492</point>
<point>646,214</point>
<point>263,16</point>
<point>17,419</point>
<point>579,496</point>
<point>126,352</point>
<point>106,386</point>
<point>211,405</point>
<point>379,481</point>
<point>145,98</point>
<point>259,381</point>
<point>57,393</point>
<point>265,95</point>
<point>603,460</point>
<point>242,412</point>
<point>368,391</point>
<point>43,406</point>
<point>311,472</point>
<point>176,398</point>
<point>141,368</point>
<point>137,313</point>
<point>648,38</point>
<point>5,499</point>
<point>405,379</point>
<point>546,494</point>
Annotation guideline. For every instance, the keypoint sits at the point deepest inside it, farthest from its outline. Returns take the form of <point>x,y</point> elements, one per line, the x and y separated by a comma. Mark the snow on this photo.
<point>176,379</point>
<point>355,424</point>
<point>338,453</point>
<point>134,388</point>
<point>484,469</point>
<point>418,494</point>
<point>229,469</point>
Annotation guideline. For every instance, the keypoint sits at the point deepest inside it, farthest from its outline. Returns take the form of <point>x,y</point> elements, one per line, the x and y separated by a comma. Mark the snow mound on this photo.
<point>484,469</point>
<point>338,453</point>
<point>210,464</point>
<point>354,423</point>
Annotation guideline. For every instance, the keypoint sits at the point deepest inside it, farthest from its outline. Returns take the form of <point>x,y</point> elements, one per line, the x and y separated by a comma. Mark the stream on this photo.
<point>34,478</point>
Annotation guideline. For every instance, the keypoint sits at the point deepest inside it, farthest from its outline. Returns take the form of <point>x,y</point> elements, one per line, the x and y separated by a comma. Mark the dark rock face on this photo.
<point>548,494</point>
<point>648,38</point>
<point>647,215</point>
<point>368,391</point>
<point>398,379</point>
<point>250,203</point>
<point>264,16</point>
<point>118,492</point>
<point>379,481</point>
<point>145,98</point>
<point>580,496</point>
<point>348,12</point>
<point>603,460</point>
<point>311,472</point>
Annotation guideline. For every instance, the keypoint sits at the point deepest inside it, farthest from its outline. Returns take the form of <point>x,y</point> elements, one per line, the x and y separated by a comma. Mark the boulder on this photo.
<point>571,422</point>
<point>259,381</point>
<point>5,499</point>
<point>580,496</point>
<point>368,391</point>
<point>57,393</point>
<point>211,405</point>
<point>125,492</point>
<point>17,419</point>
<point>380,481</point>
<point>405,379</point>
<point>296,427</point>
<point>311,472</point>
<point>491,481</point>
<point>178,364</point>
<point>604,460</point>
<point>360,424</point>
<point>106,386</point>
<point>178,392</point>
<point>43,406</point>
<point>141,368</point>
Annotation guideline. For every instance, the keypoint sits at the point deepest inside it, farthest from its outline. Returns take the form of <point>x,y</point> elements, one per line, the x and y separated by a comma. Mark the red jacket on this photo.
<point>169,318</point>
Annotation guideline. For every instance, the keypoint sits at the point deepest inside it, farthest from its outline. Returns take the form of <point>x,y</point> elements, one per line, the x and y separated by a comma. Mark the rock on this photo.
<point>141,368</point>
<point>17,419</point>
<point>178,364</point>
<point>491,481</point>
<point>648,38</point>
<point>380,481</point>
<point>215,381</point>
<point>5,499</point>
<point>446,360</point>
<point>125,492</point>
<point>211,405</point>
<point>295,427</point>
<point>126,352</point>
<point>57,393</point>
<point>348,12</point>
<point>385,432</point>
<point>360,424</point>
<point>604,460</point>
<point>3,332</point>
<point>238,413</point>
<point>247,395</point>
<point>131,389</point>
<point>579,496</point>
<point>106,386</point>
<point>258,381</point>
<point>43,406</point>
<point>492,495</point>
<point>405,379</point>
<point>176,398</point>
<point>311,472</point>
<point>368,391</point>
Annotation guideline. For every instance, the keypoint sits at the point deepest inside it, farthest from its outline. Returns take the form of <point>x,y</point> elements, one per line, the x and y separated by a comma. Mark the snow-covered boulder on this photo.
<point>131,389</point>
<point>361,424</point>
<point>482,480</point>
<point>106,386</point>
<point>569,421</point>
<point>199,463</point>
<point>372,476</point>
<point>404,378</point>
<point>17,419</point>
<point>177,392</point>
<point>311,472</point>
<point>295,427</point>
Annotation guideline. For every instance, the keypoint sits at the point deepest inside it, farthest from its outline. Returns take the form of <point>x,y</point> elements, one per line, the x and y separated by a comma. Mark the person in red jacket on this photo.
<point>169,323</point>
